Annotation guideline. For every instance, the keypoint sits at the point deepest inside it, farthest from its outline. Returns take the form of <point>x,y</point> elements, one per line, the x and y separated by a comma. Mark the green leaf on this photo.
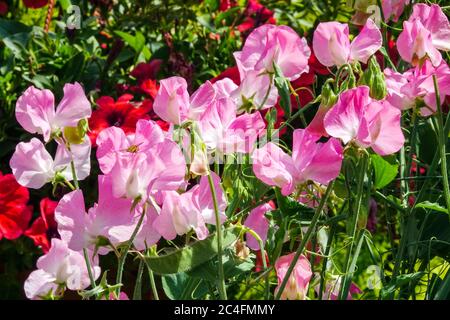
<point>137,42</point>
<point>282,84</point>
<point>182,287</point>
<point>432,206</point>
<point>401,281</point>
<point>385,172</point>
<point>9,28</point>
<point>189,257</point>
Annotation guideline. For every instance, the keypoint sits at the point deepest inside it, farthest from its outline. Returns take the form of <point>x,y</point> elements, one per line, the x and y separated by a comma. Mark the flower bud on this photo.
<point>373,77</point>
<point>75,135</point>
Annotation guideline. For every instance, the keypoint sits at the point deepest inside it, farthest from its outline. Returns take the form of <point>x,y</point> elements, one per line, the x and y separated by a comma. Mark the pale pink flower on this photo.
<point>33,166</point>
<point>142,162</point>
<point>173,104</point>
<point>61,266</point>
<point>111,218</point>
<point>332,45</point>
<point>369,123</point>
<point>268,45</point>
<point>258,222</point>
<point>35,110</point>
<point>190,210</point>
<point>298,283</point>
<point>310,160</point>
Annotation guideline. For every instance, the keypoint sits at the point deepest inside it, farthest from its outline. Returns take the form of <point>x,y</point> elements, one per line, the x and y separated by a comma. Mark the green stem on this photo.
<point>89,268</point>
<point>74,175</point>
<point>263,257</point>
<point>345,286</point>
<point>221,284</point>
<point>305,240</point>
<point>442,143</point>
<point>124,254</point>
<point>137,294</point>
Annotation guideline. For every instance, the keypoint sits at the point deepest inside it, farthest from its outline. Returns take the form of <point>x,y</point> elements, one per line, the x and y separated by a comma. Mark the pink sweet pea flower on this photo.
<point>269,44</point>
<point>297,285</point>
<point>172,102</point>
<point>190,210</point>
<point>33,166</point>
<point>141,163</point>
<point>225,133</point>
<point>393,9</point>
<point>415,44</point>
<point>404,89</point>
<point>320,162</point>
<point>332,46</point>
<point>35,110</point>
<point>257,221</point>
<point>369,123</point>
<point>61,266</point>
<point>435,21</point>
<point>333,286</point>
<point>110,218</point>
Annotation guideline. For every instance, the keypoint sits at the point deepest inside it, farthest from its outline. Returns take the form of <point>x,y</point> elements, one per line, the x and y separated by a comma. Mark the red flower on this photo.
<point>226,4</point>
<point>44,228</point>
<point>232,73</point>
<point>3,8</point>
<point>259,266</point>
<point>35,4</point>
<point>123,114</point>
<point>144,71</point>
<point>14,212</point>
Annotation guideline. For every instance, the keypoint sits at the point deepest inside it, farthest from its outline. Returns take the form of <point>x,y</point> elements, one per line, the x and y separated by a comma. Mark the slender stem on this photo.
<point>263,258</point>
<point>305,240</point>
<point>89,268</point>
<point>348,276</point>
<point>325,261</point>
<point>221,284</point>
<point>124,254</point>
<point>137,294</point>
<point>442,143</point>
<point>153,284</point>
<point>74,175</point>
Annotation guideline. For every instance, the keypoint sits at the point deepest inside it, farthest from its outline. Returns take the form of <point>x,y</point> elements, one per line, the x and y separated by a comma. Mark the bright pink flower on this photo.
<point>227,133</point>
<point>257,221</point>
<point>14,212</point>
<point>111,218</point>
<point>415,44</point>
<point>271,44</point>
<point>44,228</point>
<point>191,210</point>
<point>297,285</point>
<point>393,9</point>
<point>369,123</point>
<point>60,266</point>
<point>396,84</point>
<point>35,110</point>
<point>172,103</point>
<point>33,166</point>
<point>435,21</point>
<point>320,162</point>
<point>332,46</point>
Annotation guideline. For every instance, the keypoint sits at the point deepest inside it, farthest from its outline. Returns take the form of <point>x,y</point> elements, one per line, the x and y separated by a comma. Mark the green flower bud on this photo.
<point>75,135</point>
<point>329,98</point>
<point>373,77</point>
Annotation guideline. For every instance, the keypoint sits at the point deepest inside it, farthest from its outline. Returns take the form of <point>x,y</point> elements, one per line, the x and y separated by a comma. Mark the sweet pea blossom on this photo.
<point>227,133</point>
<point>393,9</point>
<point>191,210</point>
<point>425,33</point>
<point>58,268</point>
<point>320,162</point>
<point>173,104</point>
<point>369,123</point>
<point>298,283</point>
<point>417,83</point>
<point>141,162</point>
<point>111,218</point>
<point>35,110</point>
<point>33,166</point>
<point>257,221</point>
<point>268,45</point>
<point>332,46</point>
